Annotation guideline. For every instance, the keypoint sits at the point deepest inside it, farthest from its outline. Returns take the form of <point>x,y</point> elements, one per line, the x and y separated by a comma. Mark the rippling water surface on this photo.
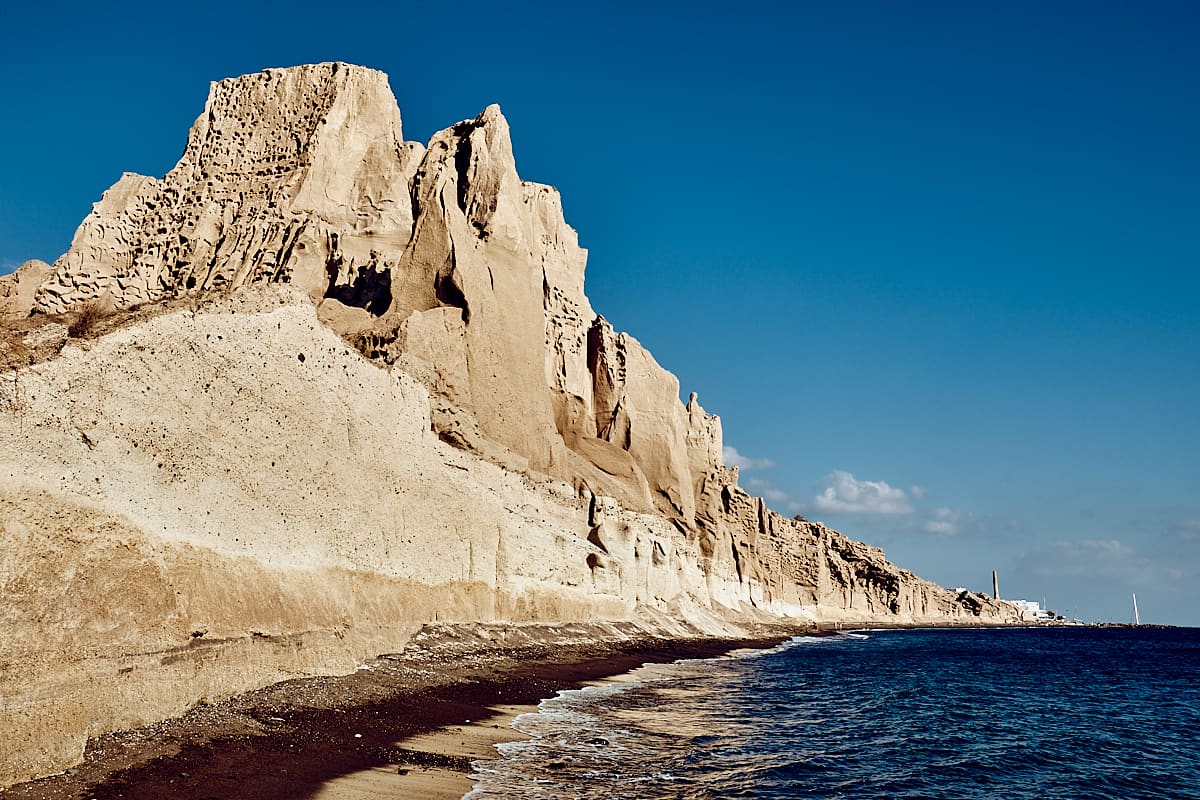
<point>1040,713</point>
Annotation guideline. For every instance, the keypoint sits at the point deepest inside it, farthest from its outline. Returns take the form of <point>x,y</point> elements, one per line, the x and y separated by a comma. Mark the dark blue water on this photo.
<point>1041,713</point>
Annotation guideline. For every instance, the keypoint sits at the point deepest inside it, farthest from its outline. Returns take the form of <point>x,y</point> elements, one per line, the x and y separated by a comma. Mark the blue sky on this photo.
<point>934,264</point>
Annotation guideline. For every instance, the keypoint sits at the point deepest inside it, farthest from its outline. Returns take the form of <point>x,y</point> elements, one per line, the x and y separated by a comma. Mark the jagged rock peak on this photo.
<point>279,166</point>
<point>442,257</point>
<point>281,111</point>
<point>277,126</point>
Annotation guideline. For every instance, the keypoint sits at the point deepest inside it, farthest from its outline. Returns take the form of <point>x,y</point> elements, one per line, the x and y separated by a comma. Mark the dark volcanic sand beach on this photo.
<point>364,734</point>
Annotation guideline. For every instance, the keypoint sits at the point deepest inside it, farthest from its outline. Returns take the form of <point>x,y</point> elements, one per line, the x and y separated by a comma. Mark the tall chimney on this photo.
<point>995,586</point>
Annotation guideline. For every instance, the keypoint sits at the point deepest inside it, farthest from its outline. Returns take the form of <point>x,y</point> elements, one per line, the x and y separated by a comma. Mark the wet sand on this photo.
<point>437,763</point>
<point>404,726</point>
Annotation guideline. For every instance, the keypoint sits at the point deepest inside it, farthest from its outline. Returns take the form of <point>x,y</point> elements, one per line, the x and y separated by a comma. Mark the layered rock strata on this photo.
<point>390,403</point>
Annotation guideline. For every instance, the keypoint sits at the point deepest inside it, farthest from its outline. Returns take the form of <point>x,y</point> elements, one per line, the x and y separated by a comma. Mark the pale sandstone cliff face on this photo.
<point>214,499</point>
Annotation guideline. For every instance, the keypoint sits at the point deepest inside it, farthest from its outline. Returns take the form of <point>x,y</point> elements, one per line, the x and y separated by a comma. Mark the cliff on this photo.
<point>348,385</point>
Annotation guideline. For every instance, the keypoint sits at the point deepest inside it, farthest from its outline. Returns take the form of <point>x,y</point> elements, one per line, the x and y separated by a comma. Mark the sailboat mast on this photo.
<point>1136,620</point>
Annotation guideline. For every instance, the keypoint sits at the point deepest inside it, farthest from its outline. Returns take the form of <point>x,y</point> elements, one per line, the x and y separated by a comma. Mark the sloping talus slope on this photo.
<point>382,399</point>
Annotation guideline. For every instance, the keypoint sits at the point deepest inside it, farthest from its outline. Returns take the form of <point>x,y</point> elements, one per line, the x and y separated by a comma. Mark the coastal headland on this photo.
<point>319,392</point>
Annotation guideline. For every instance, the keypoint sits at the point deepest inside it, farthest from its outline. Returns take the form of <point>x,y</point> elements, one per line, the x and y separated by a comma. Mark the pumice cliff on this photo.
<point>348,385</point>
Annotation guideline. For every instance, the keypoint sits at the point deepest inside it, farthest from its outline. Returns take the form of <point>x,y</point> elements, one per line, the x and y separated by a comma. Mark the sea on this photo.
<point>1060,712</point>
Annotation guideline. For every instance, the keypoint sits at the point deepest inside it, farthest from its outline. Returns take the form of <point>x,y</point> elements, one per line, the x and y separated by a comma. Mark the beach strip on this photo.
<point>403,725</point>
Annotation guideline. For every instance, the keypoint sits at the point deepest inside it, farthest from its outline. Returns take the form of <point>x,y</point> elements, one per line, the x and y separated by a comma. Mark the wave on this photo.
<point>1053,714</point>
<point>623,729</point>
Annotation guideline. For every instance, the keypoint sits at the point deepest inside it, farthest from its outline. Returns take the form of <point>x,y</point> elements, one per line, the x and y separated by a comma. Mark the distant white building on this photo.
<point>1032,608</point>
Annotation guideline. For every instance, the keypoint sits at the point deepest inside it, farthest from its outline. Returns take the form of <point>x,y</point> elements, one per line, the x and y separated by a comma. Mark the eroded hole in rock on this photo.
<point>594,538</point>
<point>449,293</point>
<point>453,438</point>
<point>462,163</point>
<point>370,290</point>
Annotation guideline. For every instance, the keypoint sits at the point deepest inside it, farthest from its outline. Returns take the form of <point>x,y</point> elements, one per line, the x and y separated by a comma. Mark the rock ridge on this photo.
<point>379,397</point>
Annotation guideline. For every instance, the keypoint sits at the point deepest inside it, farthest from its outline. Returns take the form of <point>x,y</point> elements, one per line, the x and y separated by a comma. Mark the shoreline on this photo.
<point>402,725</point>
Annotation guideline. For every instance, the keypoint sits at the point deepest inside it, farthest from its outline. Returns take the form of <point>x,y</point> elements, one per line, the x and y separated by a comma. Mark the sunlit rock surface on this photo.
<point>369,393</point>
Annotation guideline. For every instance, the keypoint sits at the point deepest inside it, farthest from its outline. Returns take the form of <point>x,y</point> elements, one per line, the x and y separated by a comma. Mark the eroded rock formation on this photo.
<point>230,493</point>
<point>18,289</point>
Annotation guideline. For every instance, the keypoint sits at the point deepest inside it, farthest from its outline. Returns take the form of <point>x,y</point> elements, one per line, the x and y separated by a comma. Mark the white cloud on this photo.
<point>917,491</point>
<point>767,491</point>
<point>948,522</point>
<point>733,458</point>
<point>845,494</point>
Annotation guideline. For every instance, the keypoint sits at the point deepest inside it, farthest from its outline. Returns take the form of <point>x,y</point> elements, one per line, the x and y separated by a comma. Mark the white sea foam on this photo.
<point>905,715</point>
<point>624,730</point>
